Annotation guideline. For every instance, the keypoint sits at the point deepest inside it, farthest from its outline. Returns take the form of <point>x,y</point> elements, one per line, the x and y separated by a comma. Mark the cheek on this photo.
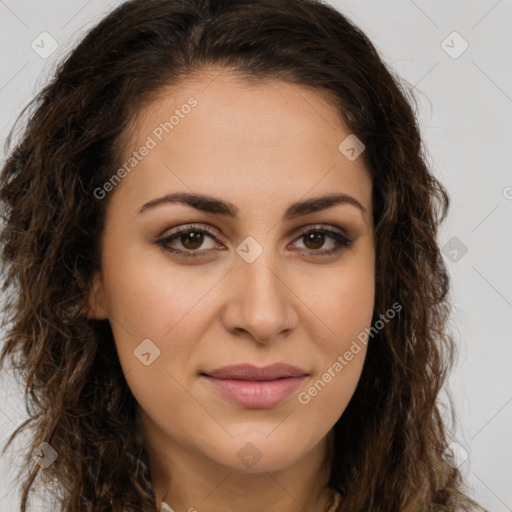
<point>157,321</point>
<point>341,313</point>
<point>150,300</point>
<point>149,295</point>
<point>341,303</point>
<point>341,349</point>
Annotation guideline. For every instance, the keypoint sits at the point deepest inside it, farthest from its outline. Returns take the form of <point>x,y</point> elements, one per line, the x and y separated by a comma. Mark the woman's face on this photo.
<point>257,291</point>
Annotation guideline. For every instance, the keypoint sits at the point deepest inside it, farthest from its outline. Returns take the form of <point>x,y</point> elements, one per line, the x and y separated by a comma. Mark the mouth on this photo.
<point>254,387</point>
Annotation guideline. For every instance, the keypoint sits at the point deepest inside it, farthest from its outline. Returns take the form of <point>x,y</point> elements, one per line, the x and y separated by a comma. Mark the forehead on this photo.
<point>248,108</point>
<point>216,133</point>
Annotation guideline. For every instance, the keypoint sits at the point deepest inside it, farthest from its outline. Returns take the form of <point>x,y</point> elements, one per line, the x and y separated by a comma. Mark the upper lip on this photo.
<point>251,372</point>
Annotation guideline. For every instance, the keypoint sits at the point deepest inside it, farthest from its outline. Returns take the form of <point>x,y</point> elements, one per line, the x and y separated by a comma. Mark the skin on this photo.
<point>261,147</point>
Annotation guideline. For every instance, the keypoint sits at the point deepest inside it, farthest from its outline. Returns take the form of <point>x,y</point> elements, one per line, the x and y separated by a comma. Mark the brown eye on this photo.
<point>192,240</point>
<point>315,238</point>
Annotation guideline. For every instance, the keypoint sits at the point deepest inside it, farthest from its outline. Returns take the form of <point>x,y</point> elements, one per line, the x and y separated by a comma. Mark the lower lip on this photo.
<point>259,394</point>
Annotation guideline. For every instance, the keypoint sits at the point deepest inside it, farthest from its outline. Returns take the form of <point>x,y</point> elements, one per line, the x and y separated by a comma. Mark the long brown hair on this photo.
<point>389,442</point>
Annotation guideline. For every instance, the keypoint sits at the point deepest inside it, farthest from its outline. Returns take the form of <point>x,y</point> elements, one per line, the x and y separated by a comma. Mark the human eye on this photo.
<point>317,235</point>
<point>191,237</point>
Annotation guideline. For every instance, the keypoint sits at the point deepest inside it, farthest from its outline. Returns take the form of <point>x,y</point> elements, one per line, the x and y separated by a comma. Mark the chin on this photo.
<point>259,456</point>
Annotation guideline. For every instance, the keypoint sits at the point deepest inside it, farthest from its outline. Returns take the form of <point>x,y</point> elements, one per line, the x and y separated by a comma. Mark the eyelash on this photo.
<point>341,240</point>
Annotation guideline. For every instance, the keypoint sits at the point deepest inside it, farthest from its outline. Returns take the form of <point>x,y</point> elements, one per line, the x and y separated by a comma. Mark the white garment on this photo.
<point>166,508</point>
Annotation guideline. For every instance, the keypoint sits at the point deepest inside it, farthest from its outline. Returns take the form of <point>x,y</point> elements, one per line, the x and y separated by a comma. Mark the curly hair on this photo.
<point>76,395</point>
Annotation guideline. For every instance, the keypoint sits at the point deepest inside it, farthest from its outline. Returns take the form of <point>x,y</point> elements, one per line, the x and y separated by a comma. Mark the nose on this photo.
<point>260,301</point>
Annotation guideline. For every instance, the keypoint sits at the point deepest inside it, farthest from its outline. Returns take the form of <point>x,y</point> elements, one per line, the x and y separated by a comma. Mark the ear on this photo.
<point>96,302</point>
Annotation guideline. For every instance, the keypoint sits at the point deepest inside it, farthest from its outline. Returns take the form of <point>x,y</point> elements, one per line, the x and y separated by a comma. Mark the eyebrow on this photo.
<point>213,205</point>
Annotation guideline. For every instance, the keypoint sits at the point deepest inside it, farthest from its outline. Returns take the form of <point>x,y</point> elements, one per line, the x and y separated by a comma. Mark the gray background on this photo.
<point>465,107</point>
